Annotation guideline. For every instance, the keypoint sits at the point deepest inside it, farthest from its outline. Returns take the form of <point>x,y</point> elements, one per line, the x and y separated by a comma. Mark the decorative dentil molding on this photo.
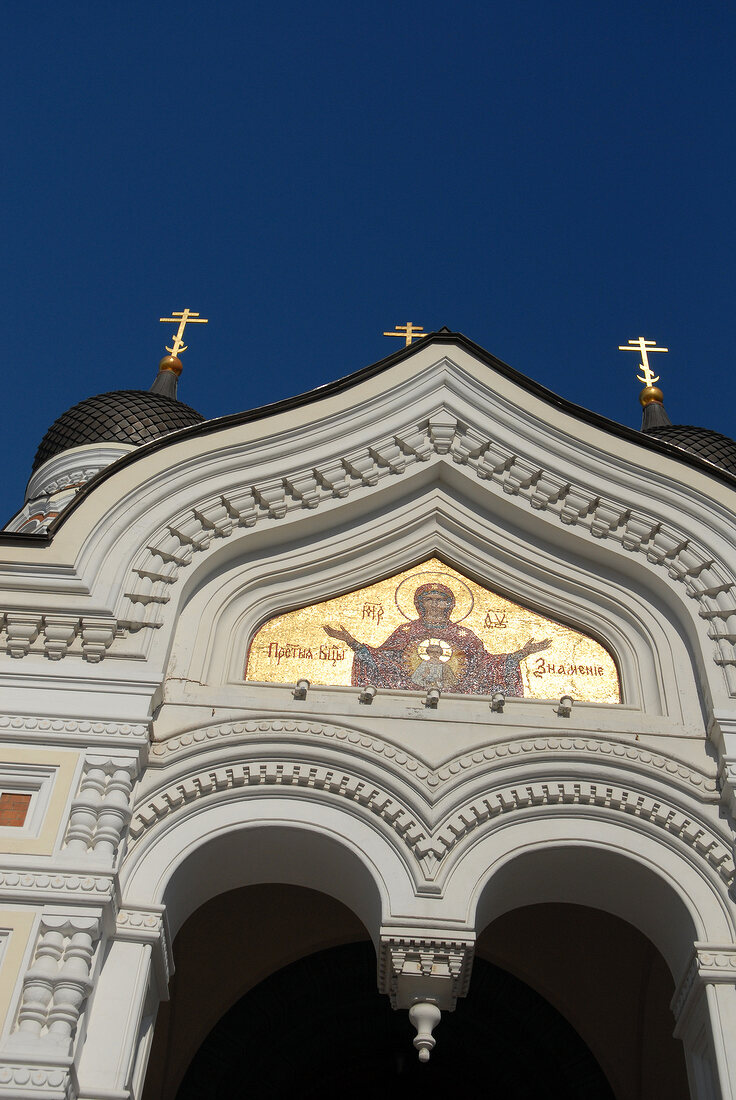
<point>430,848</point>
<point>74,731</point>
<point>174,547</point>
<point>101,810</point>
<point>415,968</point>
<point>188,533</point>
<point>715,850</point>
<point>504,751</point>
<point>277,773</point>
<point>56,985</point>
<point>88,635</point>
<point>711,964</point>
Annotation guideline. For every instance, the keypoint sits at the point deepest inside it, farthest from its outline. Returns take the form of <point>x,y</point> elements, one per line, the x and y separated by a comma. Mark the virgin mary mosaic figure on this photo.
<point>433,651</point>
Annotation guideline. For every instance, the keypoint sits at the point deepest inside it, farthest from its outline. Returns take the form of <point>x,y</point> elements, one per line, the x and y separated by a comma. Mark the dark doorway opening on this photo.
<point>319,1028</point>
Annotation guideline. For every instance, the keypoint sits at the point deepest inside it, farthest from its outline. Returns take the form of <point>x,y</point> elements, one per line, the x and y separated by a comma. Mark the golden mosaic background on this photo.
<point>294,646</point>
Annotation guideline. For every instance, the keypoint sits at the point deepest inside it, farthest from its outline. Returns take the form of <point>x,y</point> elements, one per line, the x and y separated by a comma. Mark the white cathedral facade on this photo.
<point>404,711</point>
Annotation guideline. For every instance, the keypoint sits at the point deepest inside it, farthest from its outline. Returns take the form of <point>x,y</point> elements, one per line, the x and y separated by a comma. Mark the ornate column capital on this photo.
<point>711,964</point>
<point>148,924</point>
<point>416,966</point>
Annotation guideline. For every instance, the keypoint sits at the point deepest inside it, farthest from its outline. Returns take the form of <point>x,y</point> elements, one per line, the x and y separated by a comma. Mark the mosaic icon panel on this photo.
<point>432,627</point>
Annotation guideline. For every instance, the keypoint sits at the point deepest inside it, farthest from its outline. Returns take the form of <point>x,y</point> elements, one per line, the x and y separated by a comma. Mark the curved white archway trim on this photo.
<point>226,844</point>
<point>592,862</point>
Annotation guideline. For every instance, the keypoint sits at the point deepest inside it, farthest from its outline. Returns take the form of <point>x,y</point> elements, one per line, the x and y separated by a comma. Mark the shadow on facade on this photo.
<point>565,1001</point>
<point>320,1028</point>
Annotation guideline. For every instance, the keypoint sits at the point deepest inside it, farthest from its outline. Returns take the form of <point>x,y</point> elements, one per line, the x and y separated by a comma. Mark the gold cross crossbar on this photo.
<point>644,347</point>
<point>410,331</point>
<point>184,317</point>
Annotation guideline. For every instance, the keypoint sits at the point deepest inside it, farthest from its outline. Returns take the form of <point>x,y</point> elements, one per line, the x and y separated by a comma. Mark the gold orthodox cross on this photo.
<point>184,317</point>
<point>409,331</point>
<point>644,347</point>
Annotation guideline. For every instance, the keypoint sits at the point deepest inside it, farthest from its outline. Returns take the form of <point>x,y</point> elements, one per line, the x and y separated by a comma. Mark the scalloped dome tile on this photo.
<point>706,444</point>
<point>121,416</point>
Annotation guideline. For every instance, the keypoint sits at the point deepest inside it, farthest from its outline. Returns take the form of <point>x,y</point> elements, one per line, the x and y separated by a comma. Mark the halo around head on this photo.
<point>436,643</point>
<point>406,589</point>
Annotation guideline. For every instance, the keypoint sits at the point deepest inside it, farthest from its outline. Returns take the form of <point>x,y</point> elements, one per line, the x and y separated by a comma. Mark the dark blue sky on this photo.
<point>549,179</point>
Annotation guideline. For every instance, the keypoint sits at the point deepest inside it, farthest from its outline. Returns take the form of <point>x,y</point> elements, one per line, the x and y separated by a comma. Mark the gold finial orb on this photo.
<point>172,363</point>
<point>650,394</point>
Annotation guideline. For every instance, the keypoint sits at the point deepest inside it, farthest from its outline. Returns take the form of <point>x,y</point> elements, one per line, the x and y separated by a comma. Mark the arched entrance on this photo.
<point>319,1028</point>
<point>275,995</point>
<point>203,852</point>
<point>228,946</point>
<point>608,981</point>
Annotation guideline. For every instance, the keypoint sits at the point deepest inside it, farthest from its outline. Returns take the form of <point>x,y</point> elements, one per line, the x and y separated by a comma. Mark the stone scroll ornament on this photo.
<point>431,627</point>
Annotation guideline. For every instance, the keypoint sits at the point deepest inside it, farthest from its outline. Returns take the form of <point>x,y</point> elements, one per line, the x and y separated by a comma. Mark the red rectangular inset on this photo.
<point>13,809</point>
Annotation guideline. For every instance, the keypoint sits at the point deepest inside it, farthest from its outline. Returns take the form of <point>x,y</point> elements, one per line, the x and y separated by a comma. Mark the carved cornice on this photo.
<point>73,731</point>
<point>54,636</point>
<point>501,754</point>
<point>55,887</point>
<point>711,964</point>
<point>430,847</point>
<point>193,531</point>
<point>148,925</point>
<point>412,967</point>
<point>19,1079</point>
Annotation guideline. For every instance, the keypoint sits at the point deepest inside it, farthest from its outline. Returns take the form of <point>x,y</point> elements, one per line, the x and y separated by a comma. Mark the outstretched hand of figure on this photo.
<point>532,647</point>
<point>340,634</point>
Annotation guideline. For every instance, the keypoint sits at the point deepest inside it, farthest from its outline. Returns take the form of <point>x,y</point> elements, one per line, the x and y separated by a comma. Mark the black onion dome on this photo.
<point>706,444</point>
<point>123,416</point>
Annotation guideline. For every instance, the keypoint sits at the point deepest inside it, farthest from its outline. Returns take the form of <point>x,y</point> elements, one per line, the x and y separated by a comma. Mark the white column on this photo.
<point>704,1005</point>
<point>133,980</point>
<point>101,811</point>
<point>56,986</point>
